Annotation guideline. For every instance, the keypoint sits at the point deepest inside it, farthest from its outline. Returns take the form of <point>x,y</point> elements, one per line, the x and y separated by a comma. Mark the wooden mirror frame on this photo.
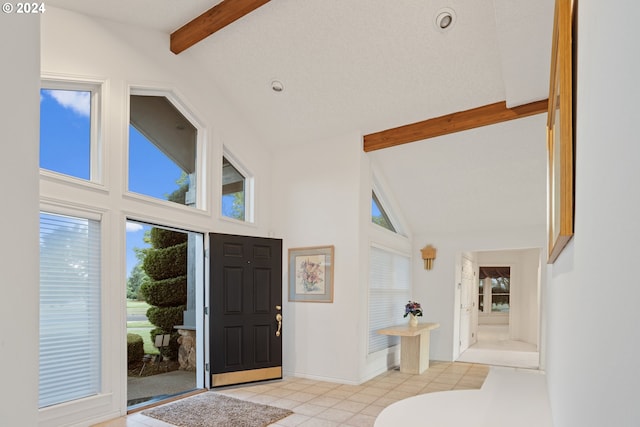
<point>560,142</point>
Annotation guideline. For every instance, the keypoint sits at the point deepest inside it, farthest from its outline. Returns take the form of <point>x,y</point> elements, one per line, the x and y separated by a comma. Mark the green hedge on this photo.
<point>165,293</point>
<point>166,318</point>
<point>166,263</point>
<point>135,348</point>
<point>163,238</point>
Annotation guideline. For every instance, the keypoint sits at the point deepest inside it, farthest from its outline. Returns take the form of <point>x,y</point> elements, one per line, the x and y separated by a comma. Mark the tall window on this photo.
<point>68,130</point>
<point>389,291</point>
<point>494,289</point>
<point>233,191</point>
<point>162,150</point>
<point>69,308</point>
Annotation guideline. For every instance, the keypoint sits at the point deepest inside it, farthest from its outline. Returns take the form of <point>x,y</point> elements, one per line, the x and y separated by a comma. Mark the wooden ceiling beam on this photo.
<point>451,123</point>
<point>216,18</point>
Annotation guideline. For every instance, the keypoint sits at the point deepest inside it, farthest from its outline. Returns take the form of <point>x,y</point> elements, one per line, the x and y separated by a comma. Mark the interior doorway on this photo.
<point>165,277</point>
<point>505,321</point>
<point>467,282</point>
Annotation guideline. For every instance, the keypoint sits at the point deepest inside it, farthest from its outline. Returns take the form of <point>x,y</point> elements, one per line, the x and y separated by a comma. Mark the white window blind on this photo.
<point>389,291</point>
<point>69,308</point>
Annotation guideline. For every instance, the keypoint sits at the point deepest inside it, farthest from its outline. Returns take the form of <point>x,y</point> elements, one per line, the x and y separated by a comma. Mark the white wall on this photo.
<point>436,288</point>
<point>593,291</point>
<point>19,133</point>
<point>316,202</point>
<point>323,197</point>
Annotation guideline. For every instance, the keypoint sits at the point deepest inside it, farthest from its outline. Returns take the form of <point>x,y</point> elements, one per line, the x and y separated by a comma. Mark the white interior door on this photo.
<point>466,302</point>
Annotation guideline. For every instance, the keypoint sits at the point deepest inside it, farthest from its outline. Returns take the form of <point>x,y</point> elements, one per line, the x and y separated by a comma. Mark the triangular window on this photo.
<point>378,214</point>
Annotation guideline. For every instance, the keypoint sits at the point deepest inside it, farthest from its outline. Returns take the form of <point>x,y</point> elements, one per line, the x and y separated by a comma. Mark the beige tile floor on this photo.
<point>318,403</point>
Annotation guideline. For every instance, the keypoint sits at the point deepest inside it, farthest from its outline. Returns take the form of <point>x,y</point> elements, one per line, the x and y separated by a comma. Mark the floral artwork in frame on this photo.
<point>311,274</point>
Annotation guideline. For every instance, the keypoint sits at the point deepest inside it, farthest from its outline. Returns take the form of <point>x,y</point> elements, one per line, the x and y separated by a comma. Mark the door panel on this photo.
<point>246,297</point>
<point>466,303</point>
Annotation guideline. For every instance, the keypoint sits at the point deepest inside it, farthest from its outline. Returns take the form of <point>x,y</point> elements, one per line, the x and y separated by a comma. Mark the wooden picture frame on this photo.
<point>560,135</point>
<point>311,274</point>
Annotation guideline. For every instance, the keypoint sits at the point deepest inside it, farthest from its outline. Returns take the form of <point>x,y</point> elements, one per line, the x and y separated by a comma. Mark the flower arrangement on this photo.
<point>414,308</point>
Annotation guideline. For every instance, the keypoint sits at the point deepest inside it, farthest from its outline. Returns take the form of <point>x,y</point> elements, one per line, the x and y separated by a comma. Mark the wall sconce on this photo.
<point>428,255</point>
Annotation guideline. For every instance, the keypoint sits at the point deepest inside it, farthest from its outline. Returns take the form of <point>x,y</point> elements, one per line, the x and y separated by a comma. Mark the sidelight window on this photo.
<point>69,309</point>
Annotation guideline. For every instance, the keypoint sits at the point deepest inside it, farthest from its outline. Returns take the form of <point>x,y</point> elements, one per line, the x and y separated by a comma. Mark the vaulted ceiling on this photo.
<point>358,65</point>
<point>365,65</point>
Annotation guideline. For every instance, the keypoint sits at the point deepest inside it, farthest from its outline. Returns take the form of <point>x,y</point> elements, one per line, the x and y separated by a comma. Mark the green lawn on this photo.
<point>146,337</point>
<point>137,307</point>
<point>139,327</point>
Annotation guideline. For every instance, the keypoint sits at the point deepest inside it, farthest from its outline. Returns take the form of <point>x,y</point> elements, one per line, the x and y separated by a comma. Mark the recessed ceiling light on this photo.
<point>277,86</point>
<point>445,18</point>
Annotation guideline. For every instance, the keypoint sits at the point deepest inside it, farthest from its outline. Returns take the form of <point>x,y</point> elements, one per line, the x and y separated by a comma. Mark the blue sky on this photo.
<point>65,148</point>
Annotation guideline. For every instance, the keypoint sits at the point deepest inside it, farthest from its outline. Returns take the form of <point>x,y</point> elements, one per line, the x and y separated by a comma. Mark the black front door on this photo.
<point>246,309</point>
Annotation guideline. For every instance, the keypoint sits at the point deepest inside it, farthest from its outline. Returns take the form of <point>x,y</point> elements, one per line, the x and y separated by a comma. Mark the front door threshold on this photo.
<point>228,378</point>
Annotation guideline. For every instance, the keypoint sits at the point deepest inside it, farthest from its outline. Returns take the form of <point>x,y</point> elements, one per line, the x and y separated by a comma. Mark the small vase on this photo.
<point>413,320</point>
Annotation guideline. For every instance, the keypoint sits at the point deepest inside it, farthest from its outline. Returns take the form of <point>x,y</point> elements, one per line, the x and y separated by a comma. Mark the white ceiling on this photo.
<point>364,65</point>
<point>358,65</point>
<point>490,178</point>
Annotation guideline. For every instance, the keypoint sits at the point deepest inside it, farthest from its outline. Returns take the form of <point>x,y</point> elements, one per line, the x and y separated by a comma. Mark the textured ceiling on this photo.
<point>368,65</point>
<point>489,178</point>
<point>363,65</point>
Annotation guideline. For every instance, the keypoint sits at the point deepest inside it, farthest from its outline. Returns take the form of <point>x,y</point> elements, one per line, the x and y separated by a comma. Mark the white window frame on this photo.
<point>249,189</point>
<point>96,149</point>
<point>56,414</point>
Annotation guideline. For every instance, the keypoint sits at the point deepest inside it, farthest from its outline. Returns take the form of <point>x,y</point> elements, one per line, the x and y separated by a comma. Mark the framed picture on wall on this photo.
<point>311,274</point>
<point>560,135</point>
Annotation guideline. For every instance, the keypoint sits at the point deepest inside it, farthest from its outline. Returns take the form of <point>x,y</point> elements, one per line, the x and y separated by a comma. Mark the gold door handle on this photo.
<point>279,320</point>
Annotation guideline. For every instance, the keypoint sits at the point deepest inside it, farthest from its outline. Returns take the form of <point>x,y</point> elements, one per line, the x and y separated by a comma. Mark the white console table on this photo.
<point>414,345</point>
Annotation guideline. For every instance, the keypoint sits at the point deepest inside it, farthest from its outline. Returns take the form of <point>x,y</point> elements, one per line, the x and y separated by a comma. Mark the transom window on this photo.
<point>379,215</point>
<point>233,191</point>
<point>69,130</point>
<point>237,190</point>
<point>162,150</point>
